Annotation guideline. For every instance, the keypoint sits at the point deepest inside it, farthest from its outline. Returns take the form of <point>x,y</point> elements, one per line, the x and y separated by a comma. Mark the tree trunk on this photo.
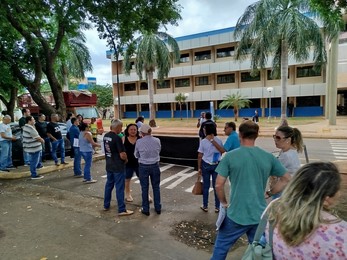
<point>284,82</point>
<point>181,109</point>
<point>150,83</point>
<point>236,113</point>
<point>10,105</point>
<point>65,78</point>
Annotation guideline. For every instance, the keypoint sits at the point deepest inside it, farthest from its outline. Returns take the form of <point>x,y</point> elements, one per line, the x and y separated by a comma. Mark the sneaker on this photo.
<point>4,170</point>
<point>11,168</point>
<point>40,167</point>
<point>158,212</point>
<point>26,165</point>
<point>205,209</point>
<point>64,163</point>
<point>57,164</point>
<point>126,213</point>
<point>91,181</point>
<point>78,175</point>
<point>37,177</point>
<point>106,209</point>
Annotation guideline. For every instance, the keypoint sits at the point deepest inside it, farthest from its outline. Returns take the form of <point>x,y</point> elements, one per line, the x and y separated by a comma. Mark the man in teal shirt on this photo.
<point>248,169</point>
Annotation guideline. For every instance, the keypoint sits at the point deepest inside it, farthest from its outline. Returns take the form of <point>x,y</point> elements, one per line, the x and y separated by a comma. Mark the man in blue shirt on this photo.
<point>233,140</point>
<point>74,133</point>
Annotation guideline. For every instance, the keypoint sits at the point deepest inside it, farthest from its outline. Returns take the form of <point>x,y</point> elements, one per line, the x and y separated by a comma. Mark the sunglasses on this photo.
<point>278,138</point>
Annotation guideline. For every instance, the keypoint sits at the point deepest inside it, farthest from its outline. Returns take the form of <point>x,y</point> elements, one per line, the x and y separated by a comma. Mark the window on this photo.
<point>130,87</point>
<point>184,58</point>
<point>202,55</point>
<point>270,77</point>
<point>143,86</point>
<point>163,84</point>
<point>132,65</point>
<point>204,80</point>
<point>164,106</point>
<point>307,71</point>
<point>144,107</point>
<point>308,101</point>
<point>185,82</point>
<point>131,108</point>
<point>246,77</point>
<point>199,105</point>
<point>225,52</point>
<point>226,78</point>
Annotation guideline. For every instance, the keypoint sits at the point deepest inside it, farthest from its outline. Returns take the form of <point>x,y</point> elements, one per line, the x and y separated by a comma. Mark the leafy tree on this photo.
<point>236,101</point>
<point>36,30</point>
<point>152,52</point>
<point>105,95</point>
<point>276,29</point>
<point>180,98</point>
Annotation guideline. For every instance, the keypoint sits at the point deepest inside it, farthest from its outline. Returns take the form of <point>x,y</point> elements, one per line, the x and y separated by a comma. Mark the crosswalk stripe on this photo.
<point>183,178</point>
<point>179,174</point>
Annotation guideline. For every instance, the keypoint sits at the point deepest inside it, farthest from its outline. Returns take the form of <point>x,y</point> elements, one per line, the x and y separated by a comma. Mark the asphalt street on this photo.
<point>60,217</point>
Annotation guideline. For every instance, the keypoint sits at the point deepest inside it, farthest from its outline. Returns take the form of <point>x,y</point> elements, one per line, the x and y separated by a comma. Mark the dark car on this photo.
<point>17,147</point>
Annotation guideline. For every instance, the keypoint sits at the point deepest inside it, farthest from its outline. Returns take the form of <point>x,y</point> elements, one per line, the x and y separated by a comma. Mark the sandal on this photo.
<point>204,209</point>
<point>216,210</point>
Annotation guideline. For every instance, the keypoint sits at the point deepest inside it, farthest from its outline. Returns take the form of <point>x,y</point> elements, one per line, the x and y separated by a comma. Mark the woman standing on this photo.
<point>210,151</point>
<point>289,140</point>
<point>304,227</point>
<point>86,145</point>
<point>131,136</point>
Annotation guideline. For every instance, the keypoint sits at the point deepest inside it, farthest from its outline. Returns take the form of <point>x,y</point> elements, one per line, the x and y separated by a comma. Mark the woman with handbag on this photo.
<point>210,151</point>
<point>304,226</point>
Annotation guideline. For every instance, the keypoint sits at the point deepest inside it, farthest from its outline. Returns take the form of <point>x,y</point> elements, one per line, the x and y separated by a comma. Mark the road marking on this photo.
<point>339,149</point>
<point>177,175</point>
<point>181,179</point>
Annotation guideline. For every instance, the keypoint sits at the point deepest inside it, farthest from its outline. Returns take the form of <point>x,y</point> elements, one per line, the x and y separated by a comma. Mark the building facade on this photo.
<point>208,71</point>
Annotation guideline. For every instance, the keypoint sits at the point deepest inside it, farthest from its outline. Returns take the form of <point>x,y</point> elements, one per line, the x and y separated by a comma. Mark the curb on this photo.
<point>47,169</point>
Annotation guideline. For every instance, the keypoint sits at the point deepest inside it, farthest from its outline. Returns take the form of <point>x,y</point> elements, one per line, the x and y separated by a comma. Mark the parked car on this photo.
<point>17,146</point>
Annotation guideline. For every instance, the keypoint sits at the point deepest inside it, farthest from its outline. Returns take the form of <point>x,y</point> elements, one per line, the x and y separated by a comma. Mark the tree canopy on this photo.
<point>104,94</point>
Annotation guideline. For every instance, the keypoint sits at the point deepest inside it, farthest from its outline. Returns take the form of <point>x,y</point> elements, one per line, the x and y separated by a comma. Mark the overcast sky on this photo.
<point>197,16</point>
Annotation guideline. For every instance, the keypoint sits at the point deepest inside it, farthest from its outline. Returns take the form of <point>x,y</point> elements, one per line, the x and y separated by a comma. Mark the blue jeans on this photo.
<point>34,162</point>
<point>117,180</point>
<point>208,170</point>
<point>129,172</point>
<point>55,145</point>
<point>77,161</point>
<point>26,157</point>
<point>146,172</point>
<point>88,158</point>
<point>5,154</point>
<point>228,234</point>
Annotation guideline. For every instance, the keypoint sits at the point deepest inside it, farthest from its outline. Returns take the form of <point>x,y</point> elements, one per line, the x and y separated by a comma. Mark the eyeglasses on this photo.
<point>278,138</point>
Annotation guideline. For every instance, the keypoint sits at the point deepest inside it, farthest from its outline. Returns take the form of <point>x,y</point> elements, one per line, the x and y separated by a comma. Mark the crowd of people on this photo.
<point>302,197</point>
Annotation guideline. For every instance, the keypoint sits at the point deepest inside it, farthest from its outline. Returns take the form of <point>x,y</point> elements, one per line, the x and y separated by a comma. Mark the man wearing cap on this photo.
<point>147,151</point>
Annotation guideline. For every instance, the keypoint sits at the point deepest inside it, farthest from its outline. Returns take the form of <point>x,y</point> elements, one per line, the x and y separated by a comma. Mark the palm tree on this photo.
<point>181,98</point>
<point>236,101</point>
<point>74,60</point>
<point>153,51</point>
<point>277,29</point>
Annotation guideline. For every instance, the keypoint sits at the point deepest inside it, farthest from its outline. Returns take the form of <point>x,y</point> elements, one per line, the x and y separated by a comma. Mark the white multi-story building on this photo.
<point>208,72</point>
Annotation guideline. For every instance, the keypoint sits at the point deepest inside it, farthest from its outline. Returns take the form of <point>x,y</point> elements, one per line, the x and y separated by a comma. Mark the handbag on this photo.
<point>197,189</point>
<point>257,250</point>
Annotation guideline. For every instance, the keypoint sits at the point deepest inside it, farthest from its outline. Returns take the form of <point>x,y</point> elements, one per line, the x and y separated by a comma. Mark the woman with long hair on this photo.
<point>86,144</point>
<point>304,226</point>
<point>131,135</point>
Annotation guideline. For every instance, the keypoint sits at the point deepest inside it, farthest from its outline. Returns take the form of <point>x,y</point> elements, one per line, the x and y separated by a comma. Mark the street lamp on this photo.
<point>187,103</point>
<point>270,89</point>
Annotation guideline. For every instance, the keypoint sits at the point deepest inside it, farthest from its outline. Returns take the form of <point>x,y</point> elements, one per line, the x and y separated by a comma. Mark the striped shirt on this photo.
<point>30,142</point>
<point>147,150</point>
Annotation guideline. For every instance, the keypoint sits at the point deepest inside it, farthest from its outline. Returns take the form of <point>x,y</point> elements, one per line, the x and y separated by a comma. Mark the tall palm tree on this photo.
<point>278,29</point>
<point>180,98</point>
<point>154,51</point>
<point>236,101</point>
<point>74,59</point>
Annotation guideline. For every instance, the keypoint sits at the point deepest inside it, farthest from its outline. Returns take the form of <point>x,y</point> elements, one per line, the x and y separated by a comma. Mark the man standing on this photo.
<point>41,127</point>
<point>74,133</point>
<point>57,141</point>
<point>232,141</point>
<point>201,119</point>
<point>6,139</point>
<point>208,121</point>
<point>248,169</point>
<point>22,122</point>
<point>147,151</point>
<point>116,159</point>
<point>32,144</point>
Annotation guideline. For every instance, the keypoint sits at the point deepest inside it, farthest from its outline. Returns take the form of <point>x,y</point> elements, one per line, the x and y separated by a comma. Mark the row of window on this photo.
<point>275,102</point>
<point>206,55</point>
<point>306,71</point>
